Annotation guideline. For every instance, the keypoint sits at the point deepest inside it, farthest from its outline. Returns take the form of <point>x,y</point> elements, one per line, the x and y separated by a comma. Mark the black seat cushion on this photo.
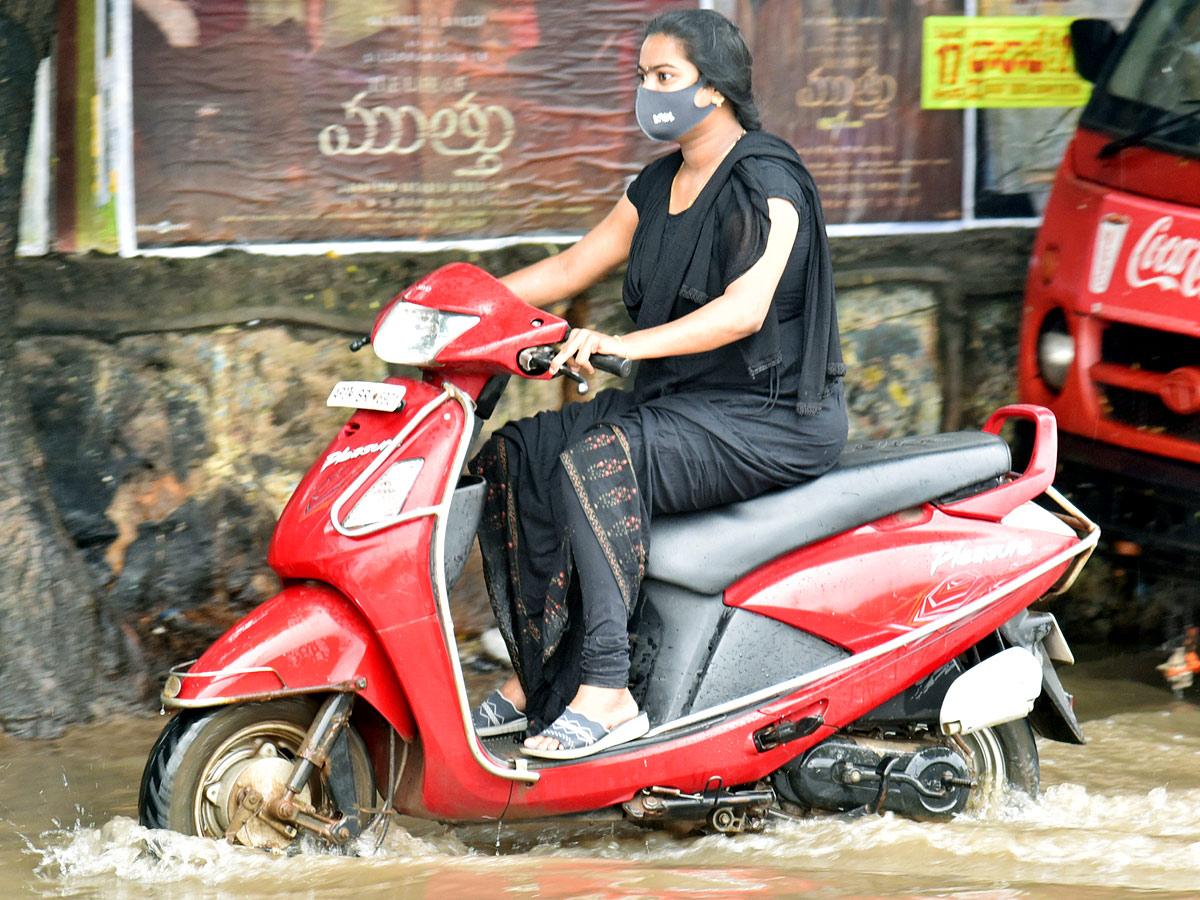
<point>709,550</point>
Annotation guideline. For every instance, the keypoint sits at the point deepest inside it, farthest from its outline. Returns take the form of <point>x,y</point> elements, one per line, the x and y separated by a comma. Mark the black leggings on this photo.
<point>604,656</point>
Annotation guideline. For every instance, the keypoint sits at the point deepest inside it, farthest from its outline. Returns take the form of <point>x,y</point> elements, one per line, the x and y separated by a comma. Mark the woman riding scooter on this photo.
<point>738,392</point>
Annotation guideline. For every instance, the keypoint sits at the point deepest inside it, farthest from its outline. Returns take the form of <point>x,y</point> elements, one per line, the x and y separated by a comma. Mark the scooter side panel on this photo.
<point>693,652</point>
<point>308,638</point>
<point>723,753</point>
<point>914,632</point>
<point>869,585</point>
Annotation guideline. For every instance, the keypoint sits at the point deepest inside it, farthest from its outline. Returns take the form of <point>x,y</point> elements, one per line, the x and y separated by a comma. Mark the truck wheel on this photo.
<point>205,758</point>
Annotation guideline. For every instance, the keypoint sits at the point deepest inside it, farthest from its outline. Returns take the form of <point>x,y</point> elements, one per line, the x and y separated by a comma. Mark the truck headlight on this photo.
<point>1055,351</point>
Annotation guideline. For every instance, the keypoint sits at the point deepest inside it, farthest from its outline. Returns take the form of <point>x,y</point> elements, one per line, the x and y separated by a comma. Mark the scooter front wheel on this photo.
<point>206,762</point>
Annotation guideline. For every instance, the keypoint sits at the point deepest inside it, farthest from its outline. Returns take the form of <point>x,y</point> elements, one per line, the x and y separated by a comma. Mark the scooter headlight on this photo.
<point>1055,351</point>
<point>413,335</point>
<point>385,498</point>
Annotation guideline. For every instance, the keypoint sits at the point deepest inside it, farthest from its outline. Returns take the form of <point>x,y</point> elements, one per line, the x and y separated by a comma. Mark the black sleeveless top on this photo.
<point>680,262</point>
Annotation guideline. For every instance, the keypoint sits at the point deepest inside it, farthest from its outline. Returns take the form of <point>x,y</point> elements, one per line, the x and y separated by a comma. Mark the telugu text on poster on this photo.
<point>999,61</point>
<point>277,121</point>
<point>841,82</point>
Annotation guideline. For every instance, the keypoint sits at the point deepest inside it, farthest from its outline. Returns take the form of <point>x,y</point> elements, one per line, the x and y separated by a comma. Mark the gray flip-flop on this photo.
<point>497,715</point>
<point>580,736</point>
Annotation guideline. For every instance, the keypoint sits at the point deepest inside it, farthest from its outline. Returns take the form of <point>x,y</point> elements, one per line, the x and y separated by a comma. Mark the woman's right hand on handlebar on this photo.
<point>583,343</point>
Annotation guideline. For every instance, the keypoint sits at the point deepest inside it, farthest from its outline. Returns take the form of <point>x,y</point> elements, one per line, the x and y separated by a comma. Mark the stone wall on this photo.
<point>178,402</point>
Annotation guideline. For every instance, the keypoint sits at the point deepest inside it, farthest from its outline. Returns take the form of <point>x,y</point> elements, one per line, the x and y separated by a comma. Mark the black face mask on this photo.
<point>669,115</point>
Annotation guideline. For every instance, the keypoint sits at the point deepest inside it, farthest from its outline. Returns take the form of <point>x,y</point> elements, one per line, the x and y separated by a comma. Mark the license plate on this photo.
<point>367,395</point>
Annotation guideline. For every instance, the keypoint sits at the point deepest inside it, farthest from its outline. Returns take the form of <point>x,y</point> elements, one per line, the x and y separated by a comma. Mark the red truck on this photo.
<point>1110,332</point>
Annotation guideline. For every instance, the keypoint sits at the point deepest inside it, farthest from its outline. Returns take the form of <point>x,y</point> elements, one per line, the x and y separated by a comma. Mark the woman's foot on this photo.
<point>503,712</point>
<point>512,691</point>
<point>578,736</point>
<point>608,707</point>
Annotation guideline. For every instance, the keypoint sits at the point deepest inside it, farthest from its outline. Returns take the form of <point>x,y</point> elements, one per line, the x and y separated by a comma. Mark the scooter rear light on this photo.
<point>385,498</point>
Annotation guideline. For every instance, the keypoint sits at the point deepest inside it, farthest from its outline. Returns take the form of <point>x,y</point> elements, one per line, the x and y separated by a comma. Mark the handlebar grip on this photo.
<point>614,365</point>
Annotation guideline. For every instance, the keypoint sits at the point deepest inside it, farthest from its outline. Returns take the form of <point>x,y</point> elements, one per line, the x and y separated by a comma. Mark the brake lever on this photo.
<point>536,360</point>
<point>581,383</point>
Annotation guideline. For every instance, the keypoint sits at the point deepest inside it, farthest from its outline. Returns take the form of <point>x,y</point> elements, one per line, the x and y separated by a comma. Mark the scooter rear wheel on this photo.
<point>1003,758</point>
<point>203,756</point>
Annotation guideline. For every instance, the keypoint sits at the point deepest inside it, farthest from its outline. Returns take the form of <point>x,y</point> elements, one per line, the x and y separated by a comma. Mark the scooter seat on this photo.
<point>707,551</point>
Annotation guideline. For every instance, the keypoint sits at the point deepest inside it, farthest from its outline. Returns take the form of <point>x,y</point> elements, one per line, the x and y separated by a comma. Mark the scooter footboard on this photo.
<point>306,639</point>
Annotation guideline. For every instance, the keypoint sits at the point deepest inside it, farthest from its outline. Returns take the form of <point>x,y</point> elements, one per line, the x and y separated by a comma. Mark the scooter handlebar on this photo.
<point>614,365</point>
<point>538,358</point>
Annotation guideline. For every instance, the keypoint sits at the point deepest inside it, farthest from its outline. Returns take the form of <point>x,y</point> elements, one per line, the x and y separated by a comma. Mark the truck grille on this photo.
<point>1160,514</point>
<point>1141,352</point>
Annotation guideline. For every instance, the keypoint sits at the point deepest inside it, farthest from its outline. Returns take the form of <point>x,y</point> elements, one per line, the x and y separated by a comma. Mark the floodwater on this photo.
<point>1118,818</point>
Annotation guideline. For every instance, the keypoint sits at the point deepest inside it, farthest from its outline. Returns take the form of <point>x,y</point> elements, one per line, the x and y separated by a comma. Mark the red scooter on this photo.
<point>859,642</point>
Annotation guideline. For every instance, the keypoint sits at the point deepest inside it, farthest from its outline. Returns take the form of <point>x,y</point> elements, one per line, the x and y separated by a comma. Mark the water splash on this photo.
<point>1098,843</point>
<point>125,850</point>
<point>1117,817</point>
<point>122,852</point>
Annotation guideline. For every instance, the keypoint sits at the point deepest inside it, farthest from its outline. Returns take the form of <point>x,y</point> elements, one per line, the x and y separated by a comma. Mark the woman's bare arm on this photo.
<point>582,264</point>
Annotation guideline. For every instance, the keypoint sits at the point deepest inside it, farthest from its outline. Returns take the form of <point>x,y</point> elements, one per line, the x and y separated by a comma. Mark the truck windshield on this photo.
<point>1151,93</point>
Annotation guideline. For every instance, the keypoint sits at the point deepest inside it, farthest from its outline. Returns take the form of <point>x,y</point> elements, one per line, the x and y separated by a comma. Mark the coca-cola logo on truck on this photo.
<point>1170,261</point>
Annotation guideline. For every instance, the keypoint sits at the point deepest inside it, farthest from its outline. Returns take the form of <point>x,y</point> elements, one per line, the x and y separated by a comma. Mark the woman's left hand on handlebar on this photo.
<point>583,343</point>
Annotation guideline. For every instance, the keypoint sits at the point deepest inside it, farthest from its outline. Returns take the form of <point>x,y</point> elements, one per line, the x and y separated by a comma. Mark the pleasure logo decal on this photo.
<point>958,554</point>
<point>340,456</point>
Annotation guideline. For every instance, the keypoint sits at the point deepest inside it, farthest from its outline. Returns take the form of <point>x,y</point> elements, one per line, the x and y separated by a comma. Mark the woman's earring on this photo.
<point>719,101</point>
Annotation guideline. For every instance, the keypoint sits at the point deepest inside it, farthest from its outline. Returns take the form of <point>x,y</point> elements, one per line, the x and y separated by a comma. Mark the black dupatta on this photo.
<point>716,241</point>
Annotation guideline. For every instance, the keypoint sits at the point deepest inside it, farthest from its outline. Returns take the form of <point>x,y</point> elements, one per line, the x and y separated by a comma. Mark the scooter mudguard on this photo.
<point>1000,689</point>
<point>307,639</point>
<point>1053,714</point>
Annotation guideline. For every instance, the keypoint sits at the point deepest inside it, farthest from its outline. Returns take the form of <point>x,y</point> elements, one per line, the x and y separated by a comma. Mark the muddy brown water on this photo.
<point>1118,818</point>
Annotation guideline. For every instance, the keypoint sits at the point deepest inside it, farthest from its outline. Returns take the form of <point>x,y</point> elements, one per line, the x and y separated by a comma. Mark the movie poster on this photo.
<point>268,121</point>
<point>841,80</point>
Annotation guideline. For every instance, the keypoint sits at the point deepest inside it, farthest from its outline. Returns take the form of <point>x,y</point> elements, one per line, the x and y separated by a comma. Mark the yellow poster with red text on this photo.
<point>999,61</point>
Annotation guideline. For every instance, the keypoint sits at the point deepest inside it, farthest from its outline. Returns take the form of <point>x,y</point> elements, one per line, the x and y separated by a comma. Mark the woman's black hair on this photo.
<point>715,46</point>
